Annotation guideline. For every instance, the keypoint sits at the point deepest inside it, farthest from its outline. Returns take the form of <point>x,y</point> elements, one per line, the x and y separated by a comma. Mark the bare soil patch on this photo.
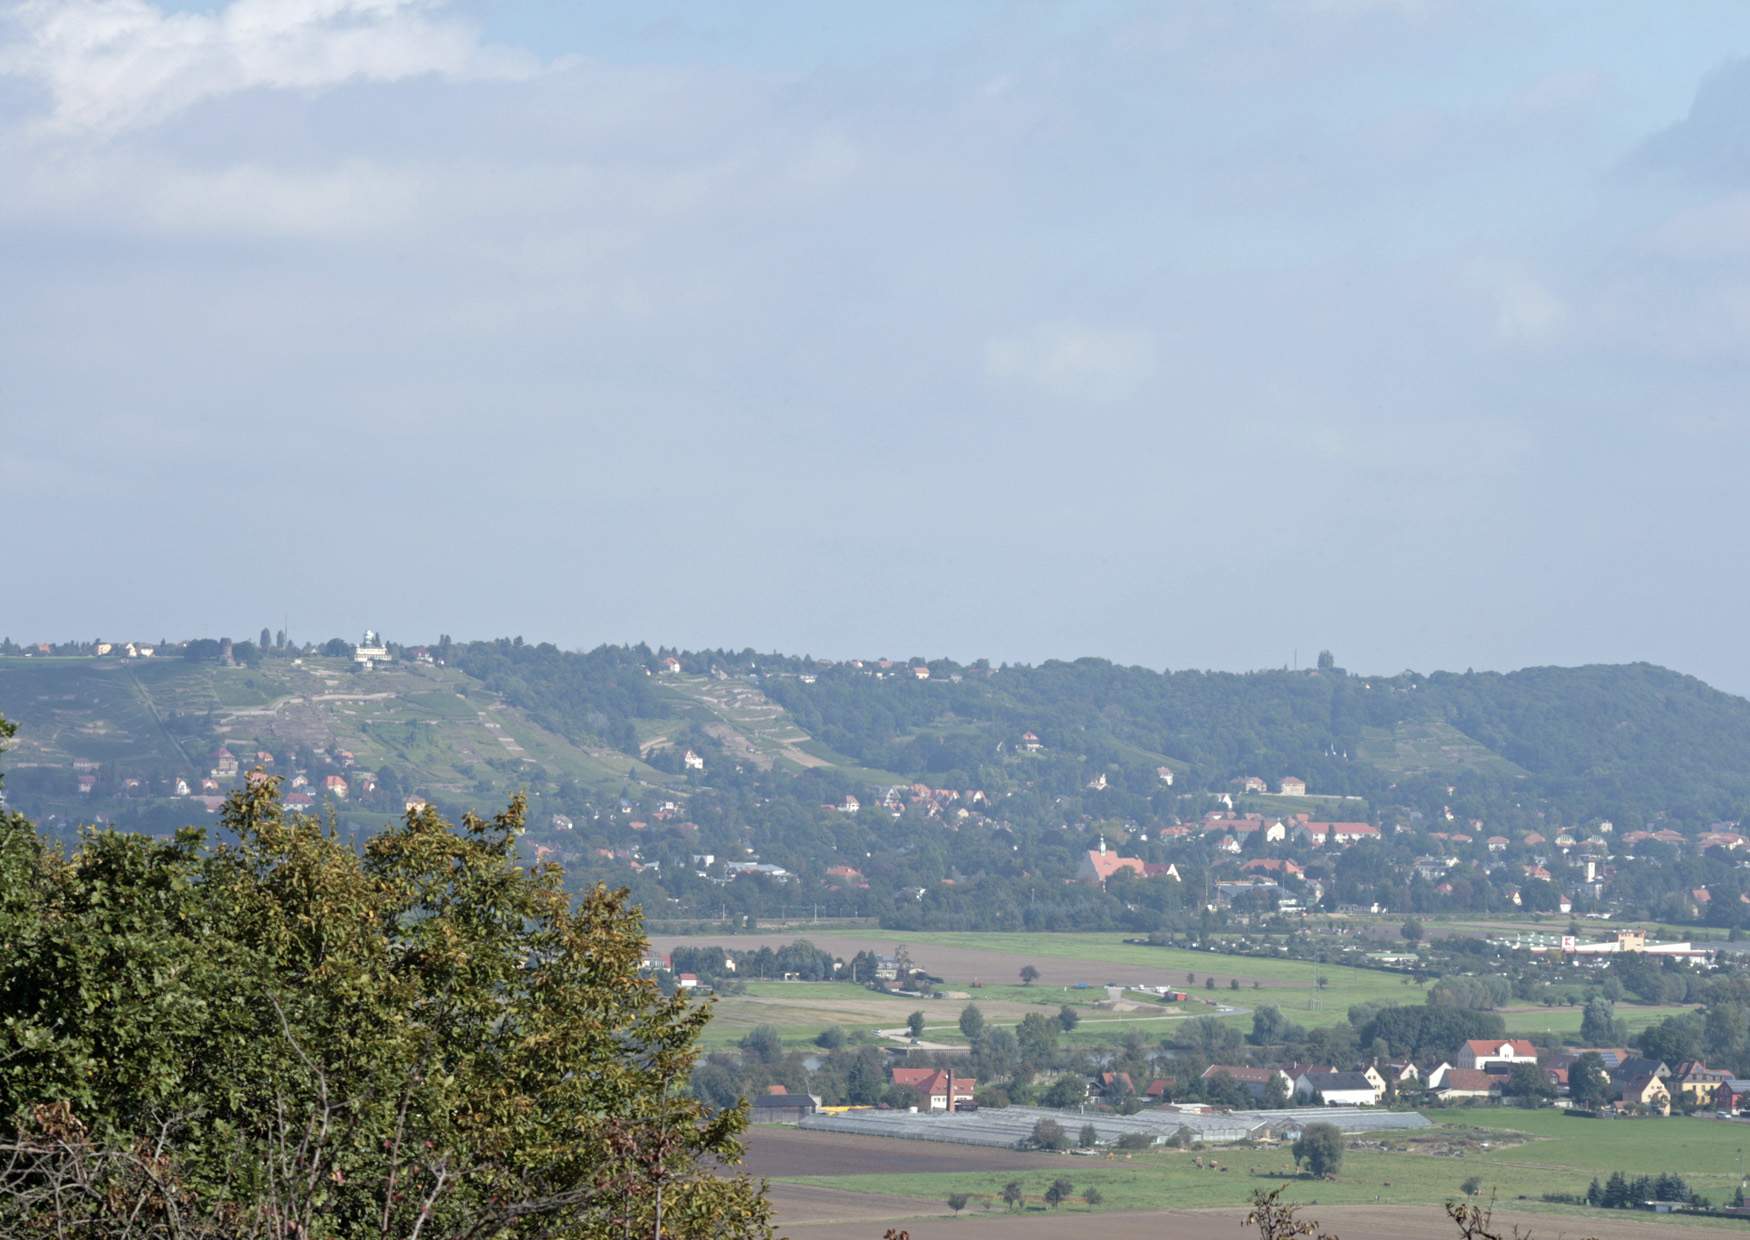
<point>1350,1222</point>
<point>862,1215</point>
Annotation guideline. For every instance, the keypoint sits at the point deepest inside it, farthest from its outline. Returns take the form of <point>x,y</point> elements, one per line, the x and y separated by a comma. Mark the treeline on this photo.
<point>589,696</point>
<point>801,959</point>
<point>1624,1192</point>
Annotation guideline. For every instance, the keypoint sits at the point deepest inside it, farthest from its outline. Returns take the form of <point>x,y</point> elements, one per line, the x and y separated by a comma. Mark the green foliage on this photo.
<point>1066,1091</point>
<point>1068,1018</point>
<point>1676,1038</point>
<point>1320,1148</point>
<point>1624,1192</point>
<point>915,1025</point>
<point>1588,1083</point>
<point>1422,1032</point>
<point>971,1022</point>
<point>1060,1191</point>
<point>1048,1134</point>
<point>593,696</point>
<point>424,1029</point>
<point>764,1044</point>
<point>1598,1024</point>
<point>1088,1138</point>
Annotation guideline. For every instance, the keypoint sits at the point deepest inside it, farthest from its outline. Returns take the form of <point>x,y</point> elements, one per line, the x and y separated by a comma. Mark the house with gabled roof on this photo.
<point>1696,1081</point>
<point>937,1089</point>
<point>1462,1084</point>
<point>1339,1089</point>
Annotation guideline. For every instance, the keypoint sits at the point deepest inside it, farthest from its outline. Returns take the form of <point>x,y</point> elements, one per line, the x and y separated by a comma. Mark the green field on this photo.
<point>1291,985</point>
<point>1566,1020</point>
<point>800,1010</point>
<point>1516,1154</point>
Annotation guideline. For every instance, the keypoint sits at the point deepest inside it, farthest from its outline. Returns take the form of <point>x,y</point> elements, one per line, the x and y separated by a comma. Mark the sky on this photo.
<point>1190,334</point>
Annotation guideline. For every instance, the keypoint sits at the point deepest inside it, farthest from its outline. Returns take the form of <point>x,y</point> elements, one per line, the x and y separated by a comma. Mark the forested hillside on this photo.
<point>1629,741</point>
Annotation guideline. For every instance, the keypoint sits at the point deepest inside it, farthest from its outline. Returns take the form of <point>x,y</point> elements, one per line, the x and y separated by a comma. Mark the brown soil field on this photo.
<point>1349,1222</point>
<point>774,1151</point>
<point>864,1215</point>
<point>958,963</point>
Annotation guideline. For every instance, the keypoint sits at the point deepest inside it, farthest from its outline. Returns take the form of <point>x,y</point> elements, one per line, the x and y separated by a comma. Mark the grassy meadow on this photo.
<point>1518,1156</point>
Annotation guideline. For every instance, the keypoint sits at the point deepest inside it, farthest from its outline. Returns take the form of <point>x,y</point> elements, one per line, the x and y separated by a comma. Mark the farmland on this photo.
<point>1074,968</point>
<point>1518,1156</point>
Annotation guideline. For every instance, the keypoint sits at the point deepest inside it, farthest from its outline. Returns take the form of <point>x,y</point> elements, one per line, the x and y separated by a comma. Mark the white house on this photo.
<point>1479,1053</point>
<point>1339,1089</point>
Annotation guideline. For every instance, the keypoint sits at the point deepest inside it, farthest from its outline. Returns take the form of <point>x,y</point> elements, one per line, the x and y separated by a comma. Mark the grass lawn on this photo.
<point>1561,1155</point>
<point>1566,1020</point>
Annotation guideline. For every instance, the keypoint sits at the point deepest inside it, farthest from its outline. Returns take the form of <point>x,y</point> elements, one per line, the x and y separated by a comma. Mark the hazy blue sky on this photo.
<point>1185,334</point>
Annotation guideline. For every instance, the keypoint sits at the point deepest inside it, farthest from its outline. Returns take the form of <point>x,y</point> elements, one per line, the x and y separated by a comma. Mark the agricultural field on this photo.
<point>1074,968</point>
<point>1517,1155</point>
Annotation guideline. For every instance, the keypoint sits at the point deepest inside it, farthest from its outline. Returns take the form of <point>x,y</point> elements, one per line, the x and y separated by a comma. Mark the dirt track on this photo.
<point>964,963</point>
<point>1349,1222</point>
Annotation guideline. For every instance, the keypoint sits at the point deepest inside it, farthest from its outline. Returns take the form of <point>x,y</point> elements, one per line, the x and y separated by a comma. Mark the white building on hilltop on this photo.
<point>370,651</point>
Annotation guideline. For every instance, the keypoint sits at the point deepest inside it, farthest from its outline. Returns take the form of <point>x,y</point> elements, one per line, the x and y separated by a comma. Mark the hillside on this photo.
<point>1632,740</point>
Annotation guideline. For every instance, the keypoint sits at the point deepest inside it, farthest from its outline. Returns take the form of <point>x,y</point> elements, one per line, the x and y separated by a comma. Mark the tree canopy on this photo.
<point>317,1041</point>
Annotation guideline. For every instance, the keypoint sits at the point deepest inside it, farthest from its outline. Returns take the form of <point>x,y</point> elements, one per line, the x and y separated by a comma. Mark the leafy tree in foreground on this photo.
<point>281,1036</point>
<point>1061,1190</point>
<point>1276,1219</point>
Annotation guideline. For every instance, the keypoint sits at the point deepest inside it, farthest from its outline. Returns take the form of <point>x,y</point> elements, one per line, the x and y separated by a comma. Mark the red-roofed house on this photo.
<point>1100,864</point>
<point>937,1089</point>
<point>1460,1083</point>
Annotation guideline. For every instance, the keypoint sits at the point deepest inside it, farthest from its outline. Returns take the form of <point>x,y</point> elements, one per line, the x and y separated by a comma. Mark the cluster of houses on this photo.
<point>1481,1070</point>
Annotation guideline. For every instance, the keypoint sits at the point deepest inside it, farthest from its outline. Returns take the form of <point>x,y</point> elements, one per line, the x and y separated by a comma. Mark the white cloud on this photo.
<point>1074,360</point>
<point>113,65</point>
